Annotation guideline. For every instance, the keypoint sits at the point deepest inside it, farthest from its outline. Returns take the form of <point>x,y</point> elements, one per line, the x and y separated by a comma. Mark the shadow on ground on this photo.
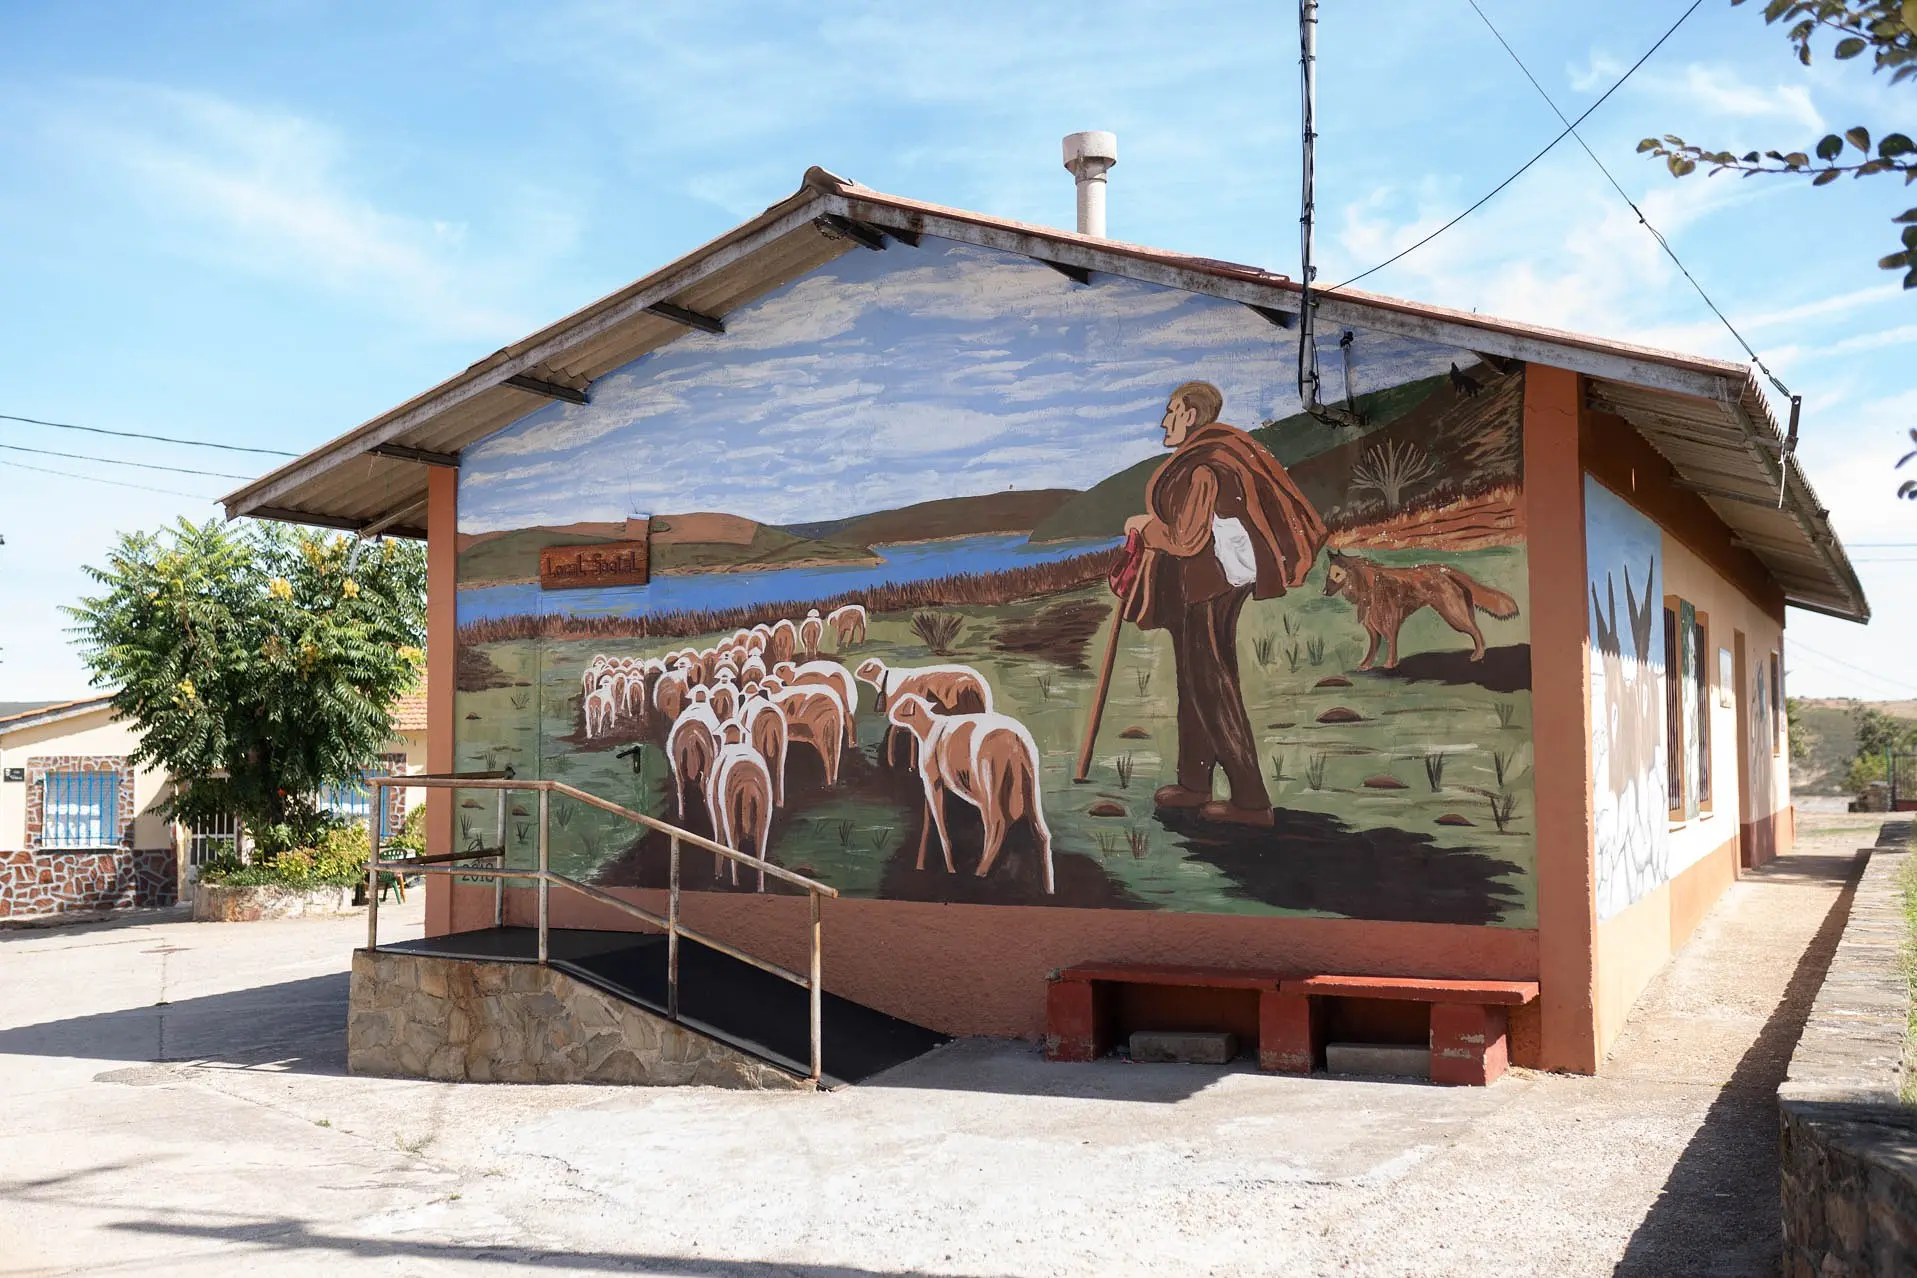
<point>295,1025</point>
<point>1718,1212</point>
<point>996,1068</point>
<point>296,1237</point>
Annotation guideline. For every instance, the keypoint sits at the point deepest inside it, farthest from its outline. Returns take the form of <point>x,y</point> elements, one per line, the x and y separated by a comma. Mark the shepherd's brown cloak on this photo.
<point>1253,488</point>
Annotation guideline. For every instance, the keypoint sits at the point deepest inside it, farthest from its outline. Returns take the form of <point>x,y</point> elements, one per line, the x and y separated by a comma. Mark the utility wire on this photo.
<point>1798,645</point>
<point>159,439</point>
<point>115,461</point>
<point>117,483</point>
<point>1643,221</point>
<point>1569,128</point>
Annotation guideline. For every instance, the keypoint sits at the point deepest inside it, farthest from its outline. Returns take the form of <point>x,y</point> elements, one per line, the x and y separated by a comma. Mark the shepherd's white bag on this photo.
<point>1232,544</point>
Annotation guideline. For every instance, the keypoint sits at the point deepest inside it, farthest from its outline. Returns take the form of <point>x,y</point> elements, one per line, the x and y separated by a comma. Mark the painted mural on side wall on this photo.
<point>1629,753</point>
<point>966,582</point>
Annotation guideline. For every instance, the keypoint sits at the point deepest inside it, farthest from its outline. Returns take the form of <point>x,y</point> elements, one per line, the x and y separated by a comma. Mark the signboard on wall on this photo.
<point>612,563</point>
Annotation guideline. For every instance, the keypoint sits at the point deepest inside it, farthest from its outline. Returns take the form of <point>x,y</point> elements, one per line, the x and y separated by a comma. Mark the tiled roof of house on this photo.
<point>409,712</point>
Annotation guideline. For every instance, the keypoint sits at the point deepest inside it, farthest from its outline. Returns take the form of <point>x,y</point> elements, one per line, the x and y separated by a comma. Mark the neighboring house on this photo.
<point>1470,668</point>
<point>78,826</point>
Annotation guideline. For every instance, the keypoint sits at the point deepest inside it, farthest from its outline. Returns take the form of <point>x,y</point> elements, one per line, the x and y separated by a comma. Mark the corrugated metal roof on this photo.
<point>1707,417</point>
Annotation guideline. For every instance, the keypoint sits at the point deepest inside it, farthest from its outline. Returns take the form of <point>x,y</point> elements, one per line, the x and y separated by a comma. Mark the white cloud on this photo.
<point>271,192</point>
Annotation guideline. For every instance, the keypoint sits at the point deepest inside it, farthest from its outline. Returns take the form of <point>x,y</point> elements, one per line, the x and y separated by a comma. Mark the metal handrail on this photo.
<point>544,877</point>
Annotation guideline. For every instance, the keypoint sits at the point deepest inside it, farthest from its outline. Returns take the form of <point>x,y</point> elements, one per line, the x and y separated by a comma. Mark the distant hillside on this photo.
<point>1827,725</point>
<point>514,556</point>
<point>1007,512</point>
<point>689,543</point>
<point>1296,441</point>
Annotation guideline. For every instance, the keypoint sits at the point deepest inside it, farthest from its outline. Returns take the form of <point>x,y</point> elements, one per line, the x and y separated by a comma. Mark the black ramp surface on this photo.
<point>735,1002</point>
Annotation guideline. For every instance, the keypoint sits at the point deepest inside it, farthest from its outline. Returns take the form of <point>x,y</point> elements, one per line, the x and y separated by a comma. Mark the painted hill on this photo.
<point>1007,512</point>
<point>1296,441</point>
<point>701,541</point>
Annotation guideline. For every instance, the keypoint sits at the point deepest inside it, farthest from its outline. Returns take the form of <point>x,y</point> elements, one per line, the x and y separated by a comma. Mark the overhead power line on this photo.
<point>158,439</point>
<point>1568,129</point>
<point>95,479</point>
<point>1572,129</point>
<point>115,461</point>
<point>1799,646</point>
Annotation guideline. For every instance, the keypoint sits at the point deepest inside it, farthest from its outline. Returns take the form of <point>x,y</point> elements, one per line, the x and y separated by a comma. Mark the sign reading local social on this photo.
<point>613,563</point>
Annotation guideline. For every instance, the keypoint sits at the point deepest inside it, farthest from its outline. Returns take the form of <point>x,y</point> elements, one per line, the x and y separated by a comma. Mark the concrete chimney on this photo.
<point>1089,156</point>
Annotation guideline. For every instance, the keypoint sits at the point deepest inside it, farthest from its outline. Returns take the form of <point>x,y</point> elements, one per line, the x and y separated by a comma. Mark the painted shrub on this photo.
<point>891,513</point>
<point>1631,790</point>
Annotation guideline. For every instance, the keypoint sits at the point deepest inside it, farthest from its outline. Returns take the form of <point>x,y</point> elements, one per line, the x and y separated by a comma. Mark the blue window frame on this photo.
<point>353,802</point>
<point>80,810</point>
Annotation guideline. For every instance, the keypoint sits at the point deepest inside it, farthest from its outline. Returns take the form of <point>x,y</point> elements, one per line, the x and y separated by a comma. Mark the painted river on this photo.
<point>911,561</point>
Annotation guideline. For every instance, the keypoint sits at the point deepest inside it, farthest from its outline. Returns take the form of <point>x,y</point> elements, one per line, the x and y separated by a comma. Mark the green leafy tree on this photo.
<point>1887,30</point>
<point>259,664</point>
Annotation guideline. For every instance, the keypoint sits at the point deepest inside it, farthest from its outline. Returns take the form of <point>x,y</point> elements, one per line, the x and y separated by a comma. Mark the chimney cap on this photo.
<point>1096,147</point>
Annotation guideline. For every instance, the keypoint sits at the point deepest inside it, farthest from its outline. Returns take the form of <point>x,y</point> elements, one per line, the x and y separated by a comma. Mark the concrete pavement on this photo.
<point>172,1099</point>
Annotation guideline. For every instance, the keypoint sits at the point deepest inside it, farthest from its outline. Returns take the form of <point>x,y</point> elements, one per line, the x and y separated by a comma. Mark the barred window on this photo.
<point>80,810</point>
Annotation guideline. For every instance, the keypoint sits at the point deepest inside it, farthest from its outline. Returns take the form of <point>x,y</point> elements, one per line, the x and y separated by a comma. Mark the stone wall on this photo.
<point>415,1016</point>
<point>56,882</point>
<point>219,903</point>
<point>1848,1144</point>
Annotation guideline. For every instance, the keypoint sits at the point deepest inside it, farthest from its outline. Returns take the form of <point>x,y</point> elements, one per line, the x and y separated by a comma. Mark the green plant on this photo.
<point>880,836</point>
<point>845,829</point>
<point>1315,771</point>
<point>1315,650</point>
<point>1139,840</point>
<point>1434,769</point>
<point>1278,772</point>
<point>1043,682</point>
<point>520,700</point>
<point>1143,676</point>
<point>258,663</point>
<point>1124,765</point>
<point>1504,806</point>
<point>938,630</point>
<point>1505,710</point>
<point>1505,764</point>
<point>410,840</point>
<point>1265,647</point>
<point>337,860</point>
<point>1887,29</point>
<point>1290,623</point>
<point>1291,658</point>
<point>1107,841</point>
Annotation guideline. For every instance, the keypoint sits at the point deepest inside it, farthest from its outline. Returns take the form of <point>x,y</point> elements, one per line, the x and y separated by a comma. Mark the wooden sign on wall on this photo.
<point>612,563</point>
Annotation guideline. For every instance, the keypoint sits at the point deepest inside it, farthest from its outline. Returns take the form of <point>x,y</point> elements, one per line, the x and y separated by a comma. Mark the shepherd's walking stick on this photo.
<point>1084,772</point>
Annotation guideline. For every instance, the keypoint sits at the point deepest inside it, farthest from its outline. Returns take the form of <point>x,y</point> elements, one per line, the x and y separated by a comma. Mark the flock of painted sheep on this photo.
<point>732,711</point>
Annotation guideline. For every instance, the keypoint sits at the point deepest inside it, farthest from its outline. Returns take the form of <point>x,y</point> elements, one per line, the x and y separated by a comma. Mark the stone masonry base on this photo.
<point>1848,1146</point>
<point>415,1016</point>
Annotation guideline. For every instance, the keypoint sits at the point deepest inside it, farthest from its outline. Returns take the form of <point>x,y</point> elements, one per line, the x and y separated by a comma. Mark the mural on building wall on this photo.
<point>890,515</point>
<point>1630,769</point>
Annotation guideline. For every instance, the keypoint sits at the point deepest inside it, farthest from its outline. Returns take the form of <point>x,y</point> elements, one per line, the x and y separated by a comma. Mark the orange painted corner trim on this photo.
<point>1560,713</point>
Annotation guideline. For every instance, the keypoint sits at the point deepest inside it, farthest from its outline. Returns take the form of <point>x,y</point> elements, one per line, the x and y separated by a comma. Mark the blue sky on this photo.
<point>884,379</point>
<point>265,223</point>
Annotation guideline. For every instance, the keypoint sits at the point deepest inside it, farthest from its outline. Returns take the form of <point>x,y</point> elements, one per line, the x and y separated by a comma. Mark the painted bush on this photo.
<point>894,513</point>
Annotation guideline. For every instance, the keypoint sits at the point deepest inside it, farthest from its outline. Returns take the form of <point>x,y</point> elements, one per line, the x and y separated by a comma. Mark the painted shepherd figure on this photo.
<point>1224,523</point>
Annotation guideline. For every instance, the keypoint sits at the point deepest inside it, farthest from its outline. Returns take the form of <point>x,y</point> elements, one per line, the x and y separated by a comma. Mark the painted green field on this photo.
<point>1417,805</point>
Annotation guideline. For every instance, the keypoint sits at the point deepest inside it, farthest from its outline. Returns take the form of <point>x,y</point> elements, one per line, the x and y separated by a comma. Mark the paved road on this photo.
<point>172,1100</point>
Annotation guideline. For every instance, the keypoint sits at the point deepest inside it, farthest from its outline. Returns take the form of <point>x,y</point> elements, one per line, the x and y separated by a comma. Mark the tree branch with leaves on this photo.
<point>258,664</point>
<point>1886,29</point>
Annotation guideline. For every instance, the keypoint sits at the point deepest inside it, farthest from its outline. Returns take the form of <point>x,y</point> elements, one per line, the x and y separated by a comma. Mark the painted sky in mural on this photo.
<point>1624,557</point>
<point>882,379</point>
<point>1335,723</point>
